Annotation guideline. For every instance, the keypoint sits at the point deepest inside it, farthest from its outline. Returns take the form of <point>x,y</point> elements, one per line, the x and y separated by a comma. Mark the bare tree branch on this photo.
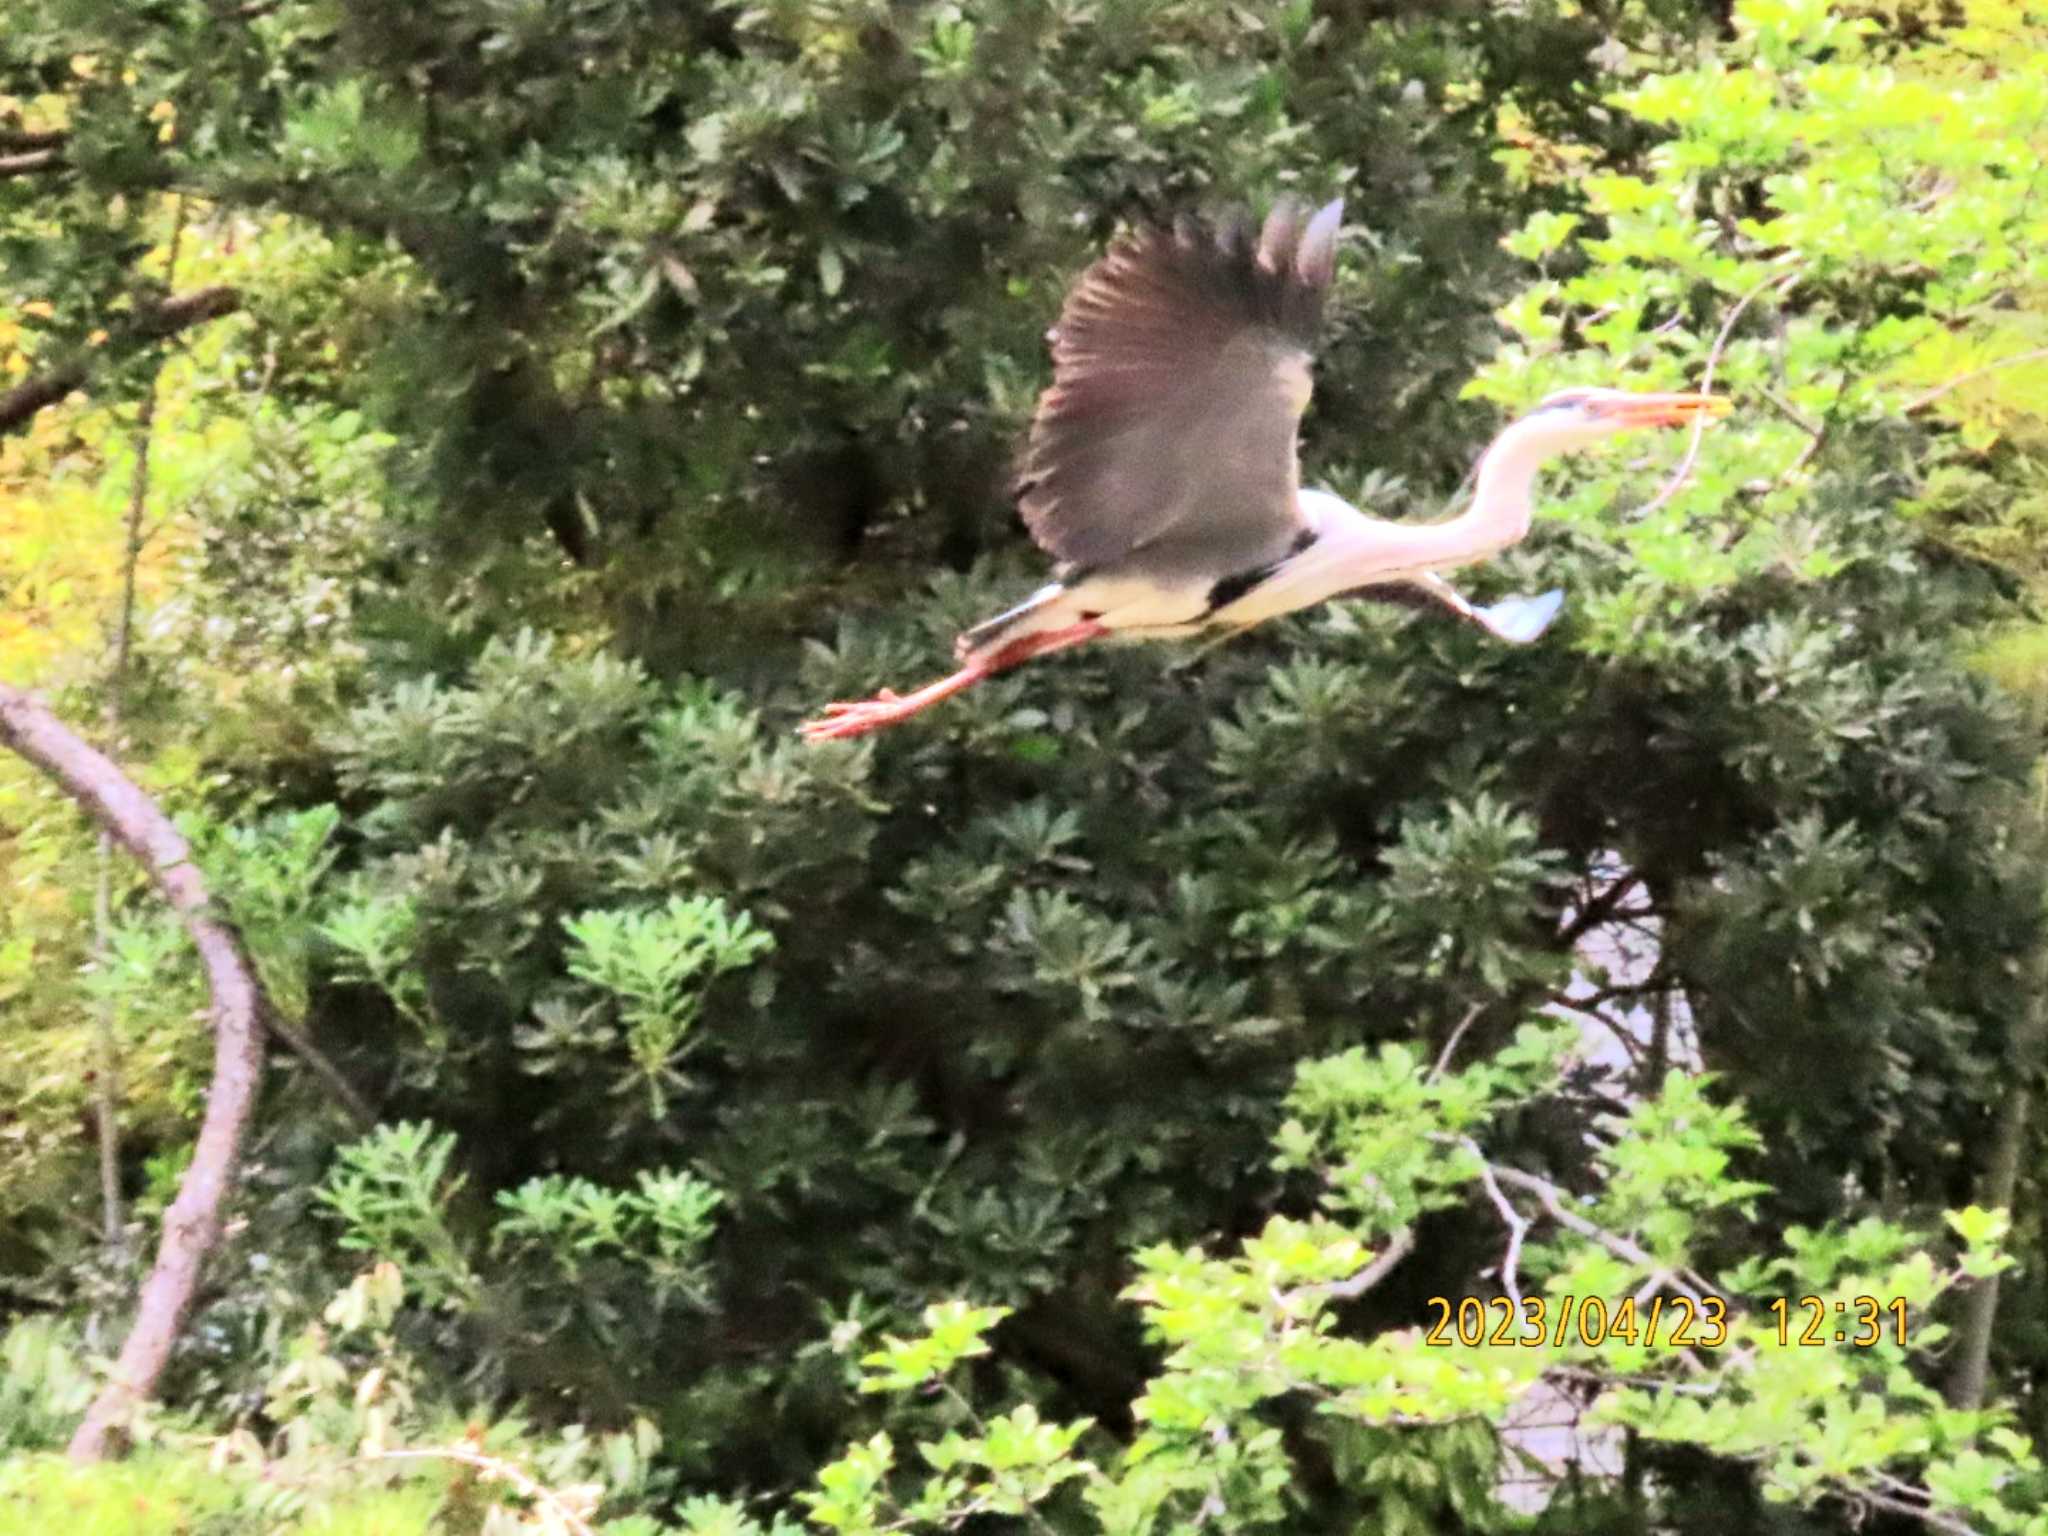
<point>1921,402</point>
<point>344,1091</point>
<point>192,1224</point>
<point>1551,1198</point>
<point>1517,1225</point>
<point>1923,1512</point>
<point>1443,1060</point>
<point>31,162</point>
<point>1678,476</point>
<point>1399,1246</point>
<point>1619,1030</point>
<point>189,308</point>
<point>1997,1186</point>
<point>1598,910</point>
<point>1792,413</point>
<point>12,139</point>
<point>19,404</point>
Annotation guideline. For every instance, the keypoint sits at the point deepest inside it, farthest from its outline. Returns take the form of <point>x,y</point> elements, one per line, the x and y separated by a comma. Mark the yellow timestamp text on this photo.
<point>1858,1321</point>
<point>1678,1322</point>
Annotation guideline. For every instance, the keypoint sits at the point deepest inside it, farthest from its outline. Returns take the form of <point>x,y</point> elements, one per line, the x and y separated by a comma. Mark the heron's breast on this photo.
<point>1156,605</point>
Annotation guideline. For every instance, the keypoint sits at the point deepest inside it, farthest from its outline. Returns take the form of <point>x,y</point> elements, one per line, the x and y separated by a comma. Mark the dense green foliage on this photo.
<point>1024,1098</point>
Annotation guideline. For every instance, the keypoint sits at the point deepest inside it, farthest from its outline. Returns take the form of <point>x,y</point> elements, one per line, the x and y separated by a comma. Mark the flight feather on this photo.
<point>1180,372</point>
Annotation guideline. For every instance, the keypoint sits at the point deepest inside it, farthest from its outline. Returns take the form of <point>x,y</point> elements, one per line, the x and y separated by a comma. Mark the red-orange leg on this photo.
<point>840,721</point>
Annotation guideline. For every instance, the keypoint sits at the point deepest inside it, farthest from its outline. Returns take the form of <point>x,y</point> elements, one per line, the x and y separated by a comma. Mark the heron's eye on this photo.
<point>1570,399</point>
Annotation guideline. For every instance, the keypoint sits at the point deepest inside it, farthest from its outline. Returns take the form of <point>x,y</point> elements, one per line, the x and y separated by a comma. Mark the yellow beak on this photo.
<point>1653,410</point>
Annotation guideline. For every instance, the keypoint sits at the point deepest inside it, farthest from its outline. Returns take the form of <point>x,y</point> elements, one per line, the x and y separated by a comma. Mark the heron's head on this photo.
<point>1573,418</point>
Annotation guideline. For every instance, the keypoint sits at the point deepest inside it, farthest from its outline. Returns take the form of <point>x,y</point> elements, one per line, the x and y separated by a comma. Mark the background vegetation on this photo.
<point>445,447</point>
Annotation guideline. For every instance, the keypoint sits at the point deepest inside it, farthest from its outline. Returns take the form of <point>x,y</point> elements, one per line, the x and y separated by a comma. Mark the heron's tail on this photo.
<point>1051,607</point>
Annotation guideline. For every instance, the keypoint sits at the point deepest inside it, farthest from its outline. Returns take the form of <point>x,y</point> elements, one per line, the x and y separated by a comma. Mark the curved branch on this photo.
<point>192,1224</point>
<point>1400,1244</point>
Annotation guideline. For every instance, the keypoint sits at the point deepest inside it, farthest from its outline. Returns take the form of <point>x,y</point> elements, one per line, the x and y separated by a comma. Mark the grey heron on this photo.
<point>1161,470</point>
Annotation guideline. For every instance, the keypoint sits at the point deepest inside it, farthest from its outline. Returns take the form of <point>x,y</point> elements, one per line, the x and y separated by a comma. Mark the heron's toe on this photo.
<point>844,718</point>
<point>1520,620</point>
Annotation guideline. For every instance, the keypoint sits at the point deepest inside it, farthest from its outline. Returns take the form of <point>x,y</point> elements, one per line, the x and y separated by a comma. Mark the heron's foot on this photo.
<point>1519,620</point>
<point>843,720</point>
<point>840,721</point>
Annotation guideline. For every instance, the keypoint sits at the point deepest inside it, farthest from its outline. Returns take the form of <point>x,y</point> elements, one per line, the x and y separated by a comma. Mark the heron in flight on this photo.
<point>1161,472</point>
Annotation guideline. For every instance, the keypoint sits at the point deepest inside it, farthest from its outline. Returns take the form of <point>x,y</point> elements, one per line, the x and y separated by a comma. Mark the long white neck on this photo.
<point>1503,494</point>
<point>1502,499</point>
<point>1353,550</point>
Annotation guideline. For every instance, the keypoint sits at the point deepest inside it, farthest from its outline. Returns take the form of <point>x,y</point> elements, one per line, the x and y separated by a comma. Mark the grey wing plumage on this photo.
<point>1180,372</point>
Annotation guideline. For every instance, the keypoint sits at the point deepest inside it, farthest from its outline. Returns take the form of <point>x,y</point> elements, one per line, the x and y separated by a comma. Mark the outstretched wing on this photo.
<point>1180,372</point>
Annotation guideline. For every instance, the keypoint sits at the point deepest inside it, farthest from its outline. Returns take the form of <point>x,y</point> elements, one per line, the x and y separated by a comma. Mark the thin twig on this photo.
<point>1552,1200</point>
<point>1443,1060</point>
<point>1920,1512</point>
<point>1548,1194</point>
<point>1517,1224</point>
<point>1585,1376</point>
<point>1399,1246</point>
<point>1804,458</point>
<point>1921,402</point>
<point>344,1091</point>
<point>1584,1001</point>
<point>1630,1046</point>
<point>1791,412</point>
<point>106,1039</point>
<point>1031,1511</point>
<point>1699,426</point>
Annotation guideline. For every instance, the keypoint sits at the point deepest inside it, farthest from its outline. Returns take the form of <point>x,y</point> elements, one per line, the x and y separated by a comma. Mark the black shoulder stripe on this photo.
<point>1230,588</point>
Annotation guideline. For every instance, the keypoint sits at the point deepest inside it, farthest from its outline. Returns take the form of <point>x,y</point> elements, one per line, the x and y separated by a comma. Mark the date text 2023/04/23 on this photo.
<point>1677,1322</point>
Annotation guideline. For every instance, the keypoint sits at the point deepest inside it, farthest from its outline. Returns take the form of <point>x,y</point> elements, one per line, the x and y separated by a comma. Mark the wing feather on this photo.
<point>1180,372</point>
